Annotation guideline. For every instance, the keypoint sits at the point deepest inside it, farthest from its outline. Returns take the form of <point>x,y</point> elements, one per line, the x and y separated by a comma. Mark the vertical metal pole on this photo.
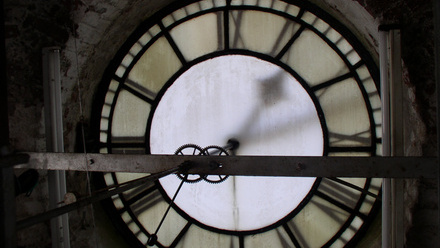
<point>436,10</point>
<point>386,147</point>
<point>397,135</point>
<point>7,182</point>
<point>393,133</point>
<point>54,142</point>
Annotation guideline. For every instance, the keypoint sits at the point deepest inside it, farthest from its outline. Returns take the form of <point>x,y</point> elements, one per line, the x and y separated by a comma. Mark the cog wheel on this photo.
<point>215,151</point>
<point>190,149</point>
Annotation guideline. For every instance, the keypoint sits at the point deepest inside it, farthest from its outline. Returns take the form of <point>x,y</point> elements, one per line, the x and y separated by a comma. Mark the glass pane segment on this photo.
<point>348,51</point>
<point>309,18</point>
<point>284,7</point>
<point>244,2</point>
<point>117,202</point>
<point>191,9</point>
<point>173,17</point>
<point>317,222</point>
<point>156,66</point>
<point>273,238</point>
<point>106,109</point>
<point>199,36</point>
<point>109,179</point>
<point>313,59</point>
<point>349,233</point>
<point>197,237</point>
<point>316,22</point>
<point>342,193</point>
<point>124,177</point>
<point>375,185</point>
<point>150,210</point>
<point>130,116</point>
<point>367,204</point>
<point>136,48</point>
<point>145,39</point>
<point>346,115</point>
<point>374,98</point>
<point>260,31</point>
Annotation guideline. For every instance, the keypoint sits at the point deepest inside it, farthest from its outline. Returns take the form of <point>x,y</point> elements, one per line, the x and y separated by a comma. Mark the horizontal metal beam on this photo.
<point>97,196</point>
<point>379,167</point>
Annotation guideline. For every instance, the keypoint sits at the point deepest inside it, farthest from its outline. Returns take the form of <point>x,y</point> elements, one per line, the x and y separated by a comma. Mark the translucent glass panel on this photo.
<point>374,98</point>
<point>199,36</point>
<point>191,9</point>
<point>155,67</point>
<point>130,116</point>
<point>259,31</point>
<point>339,101</point>
<point>106,109</point>
<point>317,222</point>
<point>313,59</point>
<point>272,4</point>
<point>123,177</point>
<point>150,210</point>
<point>197,237</point>
<point>327,211</point>
<point>346,195</point>
<point>274,238</point>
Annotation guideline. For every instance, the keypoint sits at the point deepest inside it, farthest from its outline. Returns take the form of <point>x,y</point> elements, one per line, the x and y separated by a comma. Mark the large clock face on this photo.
<point>282,78</point>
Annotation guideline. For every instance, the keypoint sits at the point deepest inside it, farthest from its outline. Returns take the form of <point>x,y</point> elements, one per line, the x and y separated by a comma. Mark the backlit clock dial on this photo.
<point>282,78</point>
<point>255,102</point>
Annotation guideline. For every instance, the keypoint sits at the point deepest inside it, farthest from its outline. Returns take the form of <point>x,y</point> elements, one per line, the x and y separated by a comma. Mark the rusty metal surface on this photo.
<point>380,167</point>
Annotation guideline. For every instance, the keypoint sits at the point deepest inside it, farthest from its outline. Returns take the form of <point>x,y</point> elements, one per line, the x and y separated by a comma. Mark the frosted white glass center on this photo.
<point>266,110</point>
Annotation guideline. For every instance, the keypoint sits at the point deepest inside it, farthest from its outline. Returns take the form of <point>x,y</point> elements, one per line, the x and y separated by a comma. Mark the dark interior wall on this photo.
<point>415,18</point>
<point>101,26</point>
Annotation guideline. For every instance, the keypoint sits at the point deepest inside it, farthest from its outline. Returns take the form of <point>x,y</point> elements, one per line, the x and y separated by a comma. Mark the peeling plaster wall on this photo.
<point>89,32</point>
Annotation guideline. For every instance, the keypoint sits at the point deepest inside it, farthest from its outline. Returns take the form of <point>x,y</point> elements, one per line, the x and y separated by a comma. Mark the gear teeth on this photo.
<point>196,180</point>
<point>179,151</point>
<point>181,148</point>
<point>219,151</point>
<point>222,152</point>
<point>221,179</point>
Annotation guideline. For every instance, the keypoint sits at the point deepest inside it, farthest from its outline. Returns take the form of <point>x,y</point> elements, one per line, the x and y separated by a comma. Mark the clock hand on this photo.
<point>232,145</point>
<point>152,240</point>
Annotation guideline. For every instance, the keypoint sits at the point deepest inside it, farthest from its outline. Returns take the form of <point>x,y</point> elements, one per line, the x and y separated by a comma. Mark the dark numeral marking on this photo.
<point>355,187</point>
<point>291,235</point>
<point>172,43</point>
<point>340,204</point>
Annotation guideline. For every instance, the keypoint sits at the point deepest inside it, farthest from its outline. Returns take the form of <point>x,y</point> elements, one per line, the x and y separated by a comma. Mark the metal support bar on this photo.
<point>55,142</point>
<point>98,196</point>
<point>397,135</point>
<point>378,167</point>
<point>393,141</point>
<point>386,146</point>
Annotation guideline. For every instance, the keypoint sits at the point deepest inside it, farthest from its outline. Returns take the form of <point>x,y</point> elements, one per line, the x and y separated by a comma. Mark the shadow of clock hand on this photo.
<point>272,94</point>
